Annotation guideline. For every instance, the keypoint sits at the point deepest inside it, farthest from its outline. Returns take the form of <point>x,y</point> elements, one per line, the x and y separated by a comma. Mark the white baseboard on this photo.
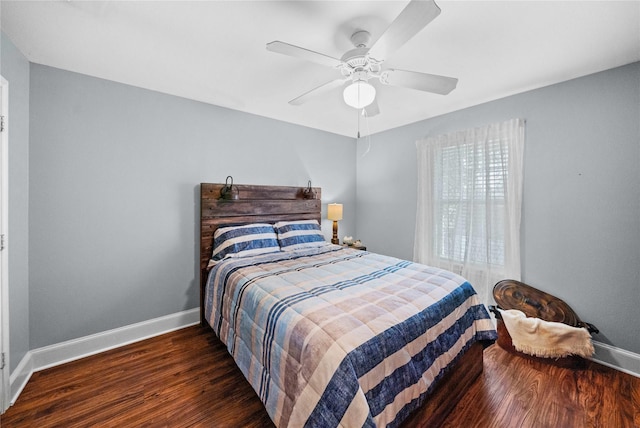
<point>20,376</point>
<point>60,353</point>
<point>619,359</point>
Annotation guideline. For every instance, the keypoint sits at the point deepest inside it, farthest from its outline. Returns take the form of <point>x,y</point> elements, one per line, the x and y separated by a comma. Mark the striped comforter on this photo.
<point>339,337</point>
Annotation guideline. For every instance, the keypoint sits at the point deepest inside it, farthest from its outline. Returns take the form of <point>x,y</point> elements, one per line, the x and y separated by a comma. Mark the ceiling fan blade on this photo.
<point>372,109</point>
<point>324,88</point>
<point>421,81</point>
<point>414,17</point>
<point>298,52</point>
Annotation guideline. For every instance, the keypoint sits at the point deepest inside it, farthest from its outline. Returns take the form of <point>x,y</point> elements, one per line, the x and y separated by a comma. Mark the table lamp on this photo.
<point>334,212</point>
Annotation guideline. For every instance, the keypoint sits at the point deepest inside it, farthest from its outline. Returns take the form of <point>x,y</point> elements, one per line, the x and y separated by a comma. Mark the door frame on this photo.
<point>5,372</point>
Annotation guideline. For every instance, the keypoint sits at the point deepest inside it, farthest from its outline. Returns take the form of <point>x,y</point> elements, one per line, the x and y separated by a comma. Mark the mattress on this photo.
<point>331,336</point>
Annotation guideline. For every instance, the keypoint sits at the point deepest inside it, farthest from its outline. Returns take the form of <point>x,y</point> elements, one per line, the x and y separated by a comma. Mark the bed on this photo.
<point>328,335</point>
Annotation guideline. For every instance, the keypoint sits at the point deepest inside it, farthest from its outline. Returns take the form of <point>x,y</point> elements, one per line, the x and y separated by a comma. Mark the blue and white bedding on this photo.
<point>330,336</point>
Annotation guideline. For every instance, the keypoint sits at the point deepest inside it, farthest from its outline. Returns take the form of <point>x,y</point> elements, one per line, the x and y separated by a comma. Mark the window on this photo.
<point>469,203</point>
<point>471,194</point>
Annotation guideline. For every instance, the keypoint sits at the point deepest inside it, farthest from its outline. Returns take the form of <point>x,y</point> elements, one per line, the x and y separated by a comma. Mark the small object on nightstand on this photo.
<point>349,242</point>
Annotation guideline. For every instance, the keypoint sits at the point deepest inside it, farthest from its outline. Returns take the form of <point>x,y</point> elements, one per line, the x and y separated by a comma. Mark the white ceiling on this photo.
<point>214,51</point>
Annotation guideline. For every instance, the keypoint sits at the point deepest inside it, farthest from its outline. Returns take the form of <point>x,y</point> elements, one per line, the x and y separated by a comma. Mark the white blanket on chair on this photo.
<point>546,339</point>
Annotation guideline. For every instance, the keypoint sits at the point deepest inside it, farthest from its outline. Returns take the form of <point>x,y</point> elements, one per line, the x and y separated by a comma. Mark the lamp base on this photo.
<point>334,239</point>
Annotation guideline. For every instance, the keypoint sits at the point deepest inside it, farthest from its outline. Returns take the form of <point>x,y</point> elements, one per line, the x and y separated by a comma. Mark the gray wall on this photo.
<point>114,210</point>
<point>14,67</point>
<point>104,196</point>
<point>581,207</point>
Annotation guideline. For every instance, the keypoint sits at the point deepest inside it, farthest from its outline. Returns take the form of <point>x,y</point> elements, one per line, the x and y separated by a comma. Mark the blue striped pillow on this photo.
<point>246,240</point>
<point>293,235</point>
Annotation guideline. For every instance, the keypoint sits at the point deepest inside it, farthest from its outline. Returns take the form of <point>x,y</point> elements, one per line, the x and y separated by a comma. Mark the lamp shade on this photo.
<point>334,212</point>
<point>359,94</point>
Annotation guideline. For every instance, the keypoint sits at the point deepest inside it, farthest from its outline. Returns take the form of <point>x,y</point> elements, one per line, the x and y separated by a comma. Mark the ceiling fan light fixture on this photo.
<point>359,94</point>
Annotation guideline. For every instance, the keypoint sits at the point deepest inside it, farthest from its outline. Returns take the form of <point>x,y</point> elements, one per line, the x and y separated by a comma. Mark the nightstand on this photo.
<point>359,247</point>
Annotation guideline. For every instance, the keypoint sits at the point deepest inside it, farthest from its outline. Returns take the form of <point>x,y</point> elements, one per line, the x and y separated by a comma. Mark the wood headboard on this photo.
<point>255,204</point>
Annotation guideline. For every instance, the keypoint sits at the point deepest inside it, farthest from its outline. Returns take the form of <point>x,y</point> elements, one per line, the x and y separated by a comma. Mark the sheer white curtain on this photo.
<point>469,203</point>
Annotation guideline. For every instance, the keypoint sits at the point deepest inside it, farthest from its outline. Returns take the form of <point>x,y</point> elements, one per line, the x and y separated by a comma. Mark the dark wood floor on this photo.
<point>186,379</point>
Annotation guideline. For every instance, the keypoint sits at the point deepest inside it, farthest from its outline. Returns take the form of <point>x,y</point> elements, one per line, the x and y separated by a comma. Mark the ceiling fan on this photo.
<point>364,63</point>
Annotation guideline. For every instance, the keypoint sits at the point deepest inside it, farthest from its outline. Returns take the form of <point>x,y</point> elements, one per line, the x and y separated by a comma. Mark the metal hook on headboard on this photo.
<point>228,192</point>
<point>308,192</point>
